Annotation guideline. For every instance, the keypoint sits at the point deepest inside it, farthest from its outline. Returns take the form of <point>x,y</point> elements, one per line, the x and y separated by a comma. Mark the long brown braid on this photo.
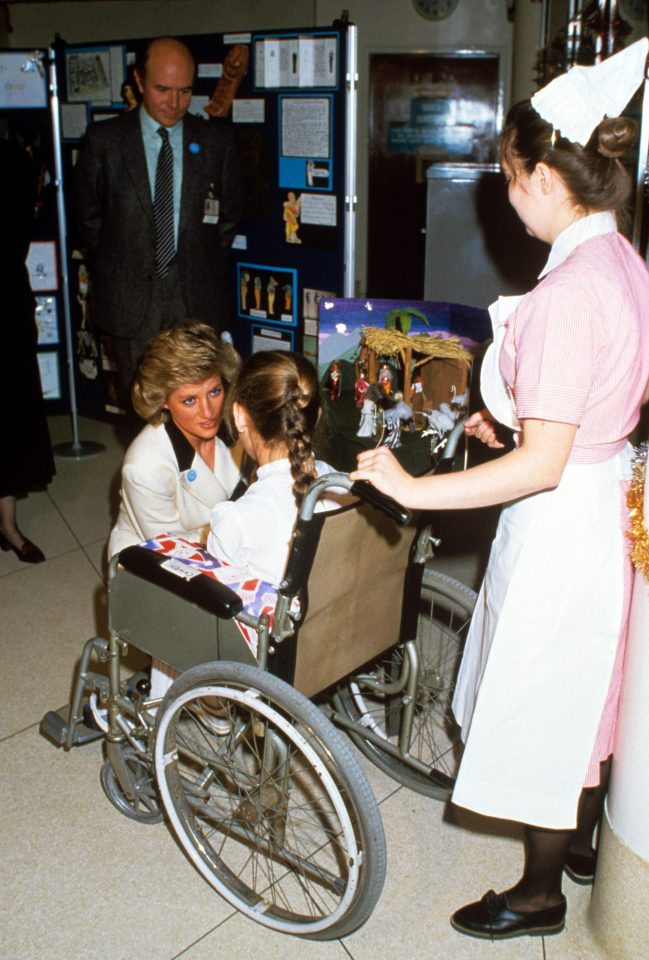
<point>281,393</point>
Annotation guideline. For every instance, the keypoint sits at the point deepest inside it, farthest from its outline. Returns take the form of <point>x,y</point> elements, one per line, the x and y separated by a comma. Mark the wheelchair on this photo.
<point>246,756</point>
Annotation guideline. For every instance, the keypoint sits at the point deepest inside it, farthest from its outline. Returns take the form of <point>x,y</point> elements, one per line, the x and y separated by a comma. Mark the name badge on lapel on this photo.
<point>211,207</point>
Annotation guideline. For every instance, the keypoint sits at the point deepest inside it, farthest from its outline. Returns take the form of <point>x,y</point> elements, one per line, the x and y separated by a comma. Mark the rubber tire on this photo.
<point>148,813</point>
<point>457,600</point>
<point>258,700</point>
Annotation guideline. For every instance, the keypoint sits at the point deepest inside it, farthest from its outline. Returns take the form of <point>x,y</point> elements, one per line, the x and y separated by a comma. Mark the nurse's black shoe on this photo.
<point>581,868</point>
<point>493,919</point>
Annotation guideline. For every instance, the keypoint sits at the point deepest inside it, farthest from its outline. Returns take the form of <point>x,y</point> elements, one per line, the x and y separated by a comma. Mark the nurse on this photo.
<point>537,693</point>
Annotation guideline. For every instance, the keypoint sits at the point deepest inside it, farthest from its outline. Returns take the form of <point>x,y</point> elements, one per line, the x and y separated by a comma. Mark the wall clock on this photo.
<point>435,9</point>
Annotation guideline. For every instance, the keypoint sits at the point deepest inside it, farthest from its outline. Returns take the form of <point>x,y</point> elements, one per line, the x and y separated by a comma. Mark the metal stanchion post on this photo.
<point>74,449</point>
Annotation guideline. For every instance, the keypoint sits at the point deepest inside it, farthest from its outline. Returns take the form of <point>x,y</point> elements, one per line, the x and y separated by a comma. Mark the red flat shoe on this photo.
<point>27,553</point>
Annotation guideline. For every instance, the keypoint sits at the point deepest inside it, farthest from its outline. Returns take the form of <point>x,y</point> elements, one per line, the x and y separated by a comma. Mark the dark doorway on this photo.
<point>424,108</point>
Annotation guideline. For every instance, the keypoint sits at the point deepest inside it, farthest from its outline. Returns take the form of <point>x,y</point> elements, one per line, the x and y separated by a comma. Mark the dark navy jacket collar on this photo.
<point>182,448</point>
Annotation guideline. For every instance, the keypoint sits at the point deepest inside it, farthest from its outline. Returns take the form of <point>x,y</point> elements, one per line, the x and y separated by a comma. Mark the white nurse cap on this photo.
<point>577,101</point>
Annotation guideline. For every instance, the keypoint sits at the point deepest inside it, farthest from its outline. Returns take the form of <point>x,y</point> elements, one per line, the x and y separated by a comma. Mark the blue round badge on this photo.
<point>194,148</point>
<point>191,475</point>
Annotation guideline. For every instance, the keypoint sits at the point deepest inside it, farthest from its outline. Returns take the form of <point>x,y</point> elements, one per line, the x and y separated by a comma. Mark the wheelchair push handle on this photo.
<point>358,488</point>
<point>365,491</point>
<point>453,439</point>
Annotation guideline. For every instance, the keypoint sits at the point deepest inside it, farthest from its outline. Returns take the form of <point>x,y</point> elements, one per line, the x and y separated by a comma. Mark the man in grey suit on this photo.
<point>158,195</point>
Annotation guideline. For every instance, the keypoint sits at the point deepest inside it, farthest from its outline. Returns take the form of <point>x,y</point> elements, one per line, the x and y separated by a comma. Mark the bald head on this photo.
<point>165,77</point>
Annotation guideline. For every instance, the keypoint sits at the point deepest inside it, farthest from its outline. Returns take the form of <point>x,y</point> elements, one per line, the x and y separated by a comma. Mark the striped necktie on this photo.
<point>163,206</point>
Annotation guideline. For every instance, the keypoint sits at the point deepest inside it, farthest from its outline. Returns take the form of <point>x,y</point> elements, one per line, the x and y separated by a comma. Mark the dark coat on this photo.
<point>26,461</point>
<point>114,219</point>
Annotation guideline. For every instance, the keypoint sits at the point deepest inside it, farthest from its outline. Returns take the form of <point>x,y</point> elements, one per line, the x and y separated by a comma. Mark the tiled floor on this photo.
<point>79,880</point>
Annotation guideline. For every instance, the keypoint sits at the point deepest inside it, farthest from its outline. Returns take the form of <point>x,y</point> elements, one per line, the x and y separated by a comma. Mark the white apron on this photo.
<point>541,647</point>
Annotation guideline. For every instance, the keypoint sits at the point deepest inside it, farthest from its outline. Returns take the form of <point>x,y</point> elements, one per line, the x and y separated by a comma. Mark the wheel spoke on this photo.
<point>265,810</point>
<point>444,616</point>
<point>145,805</point>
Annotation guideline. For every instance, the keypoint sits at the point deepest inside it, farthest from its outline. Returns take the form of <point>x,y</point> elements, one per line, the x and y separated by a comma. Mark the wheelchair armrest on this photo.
<point>208,594</point>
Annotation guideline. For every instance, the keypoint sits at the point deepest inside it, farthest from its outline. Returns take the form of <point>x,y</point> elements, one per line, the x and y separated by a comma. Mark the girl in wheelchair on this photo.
<point>274,406</point>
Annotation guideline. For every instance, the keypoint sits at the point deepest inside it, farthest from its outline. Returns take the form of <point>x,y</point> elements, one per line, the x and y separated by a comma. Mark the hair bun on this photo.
<point>615,136</point>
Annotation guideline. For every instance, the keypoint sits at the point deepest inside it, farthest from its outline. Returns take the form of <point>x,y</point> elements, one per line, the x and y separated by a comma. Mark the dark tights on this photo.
<point>589,812</point>
<point>546,850</point>
<point>8,525</point>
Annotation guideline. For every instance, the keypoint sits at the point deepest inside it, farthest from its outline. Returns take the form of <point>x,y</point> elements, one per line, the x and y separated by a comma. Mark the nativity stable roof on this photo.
<point>392,342</point>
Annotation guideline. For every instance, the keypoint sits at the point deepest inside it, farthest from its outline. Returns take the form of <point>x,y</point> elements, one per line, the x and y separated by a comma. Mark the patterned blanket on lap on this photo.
<point>258,596</point>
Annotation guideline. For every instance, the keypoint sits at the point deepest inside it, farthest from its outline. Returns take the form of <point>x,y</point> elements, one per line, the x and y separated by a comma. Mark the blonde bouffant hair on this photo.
<point>190,353</point>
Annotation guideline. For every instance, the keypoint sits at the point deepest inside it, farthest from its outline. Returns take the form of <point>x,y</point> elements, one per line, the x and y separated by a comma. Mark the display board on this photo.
<point>290,121</point>
<point>26,120</point>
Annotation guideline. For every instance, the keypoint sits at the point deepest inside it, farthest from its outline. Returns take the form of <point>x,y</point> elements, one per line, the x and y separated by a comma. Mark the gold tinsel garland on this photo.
<point>637,532</point>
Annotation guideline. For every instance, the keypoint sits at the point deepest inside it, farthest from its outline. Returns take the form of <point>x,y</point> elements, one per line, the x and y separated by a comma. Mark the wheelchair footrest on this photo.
<point>54,726</point>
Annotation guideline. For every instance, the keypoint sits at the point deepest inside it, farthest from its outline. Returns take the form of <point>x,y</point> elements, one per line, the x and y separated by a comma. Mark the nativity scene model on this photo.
<point>424,379</point>
<point>407,371</point>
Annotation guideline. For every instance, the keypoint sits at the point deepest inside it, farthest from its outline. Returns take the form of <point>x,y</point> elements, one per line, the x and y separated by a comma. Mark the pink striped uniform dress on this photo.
<point>577,351</point>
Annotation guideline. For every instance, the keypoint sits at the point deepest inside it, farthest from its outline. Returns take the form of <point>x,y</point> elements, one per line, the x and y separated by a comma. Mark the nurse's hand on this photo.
<point>383,470</point>
<point>481,426</point>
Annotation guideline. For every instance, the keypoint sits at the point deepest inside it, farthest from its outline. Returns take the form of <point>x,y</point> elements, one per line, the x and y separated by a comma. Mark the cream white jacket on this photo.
<point>168,488</point>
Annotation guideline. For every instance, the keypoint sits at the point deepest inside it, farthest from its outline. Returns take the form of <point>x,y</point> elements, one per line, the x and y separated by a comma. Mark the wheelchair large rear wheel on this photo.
<point>445,610</point>
<point>268,801</point>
